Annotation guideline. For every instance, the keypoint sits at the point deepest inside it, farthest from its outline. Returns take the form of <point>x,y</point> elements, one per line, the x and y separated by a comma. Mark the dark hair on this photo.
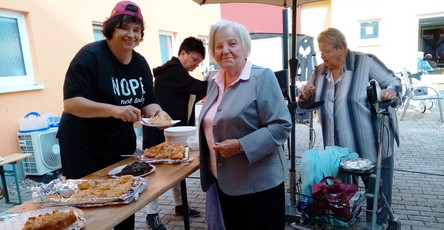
<point>112,23</point>
<point>192,44</point>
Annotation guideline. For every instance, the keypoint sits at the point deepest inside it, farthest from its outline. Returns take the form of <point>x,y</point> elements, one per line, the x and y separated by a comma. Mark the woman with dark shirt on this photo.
<point>108,87</point>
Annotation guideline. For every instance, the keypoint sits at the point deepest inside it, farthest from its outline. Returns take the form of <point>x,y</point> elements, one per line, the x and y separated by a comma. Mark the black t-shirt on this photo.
<point>95,74</point>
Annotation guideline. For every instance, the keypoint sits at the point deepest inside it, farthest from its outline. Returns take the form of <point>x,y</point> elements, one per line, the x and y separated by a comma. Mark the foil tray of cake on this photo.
<point>68,218</point>
<point>89,193</point>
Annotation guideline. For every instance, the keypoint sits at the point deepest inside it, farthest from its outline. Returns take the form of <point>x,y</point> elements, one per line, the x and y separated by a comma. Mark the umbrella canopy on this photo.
<point>284,3</point>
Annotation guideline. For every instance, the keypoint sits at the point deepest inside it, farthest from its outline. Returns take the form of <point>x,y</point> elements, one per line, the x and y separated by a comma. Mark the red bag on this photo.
<point>333,198</point>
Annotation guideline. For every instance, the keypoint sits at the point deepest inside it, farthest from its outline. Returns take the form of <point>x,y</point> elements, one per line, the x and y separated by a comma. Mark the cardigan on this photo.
<point>254,112</point>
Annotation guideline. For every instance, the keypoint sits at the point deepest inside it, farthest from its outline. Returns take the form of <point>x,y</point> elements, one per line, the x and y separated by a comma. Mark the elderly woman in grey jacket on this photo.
<point>243,124</point>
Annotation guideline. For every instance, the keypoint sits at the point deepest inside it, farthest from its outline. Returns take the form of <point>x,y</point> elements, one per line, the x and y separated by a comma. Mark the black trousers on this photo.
<point>258,211</point>
<point>127,224</point>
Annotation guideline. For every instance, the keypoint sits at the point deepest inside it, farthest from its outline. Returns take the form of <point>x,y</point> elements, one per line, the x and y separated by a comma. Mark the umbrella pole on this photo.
<point>290,211</point>
<point>292,106</point>
<point>285,40</point>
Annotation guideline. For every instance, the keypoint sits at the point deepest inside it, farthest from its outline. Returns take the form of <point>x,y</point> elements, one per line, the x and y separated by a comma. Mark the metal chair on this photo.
<point>411,95</point>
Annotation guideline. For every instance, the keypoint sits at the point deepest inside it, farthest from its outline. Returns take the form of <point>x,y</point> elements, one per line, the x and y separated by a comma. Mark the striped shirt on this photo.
<point>345,116</point>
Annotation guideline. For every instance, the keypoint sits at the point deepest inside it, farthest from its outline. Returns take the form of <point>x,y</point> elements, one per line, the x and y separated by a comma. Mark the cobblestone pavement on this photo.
<point>418,188</point>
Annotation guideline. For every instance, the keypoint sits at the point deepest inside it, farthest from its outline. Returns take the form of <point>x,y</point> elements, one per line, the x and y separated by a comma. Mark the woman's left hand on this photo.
<point>227,148</point>
<point>388,94</point>
<point>163,114</point>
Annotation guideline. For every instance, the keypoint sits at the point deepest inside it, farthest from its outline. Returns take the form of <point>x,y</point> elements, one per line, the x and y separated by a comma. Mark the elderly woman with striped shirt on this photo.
<point>345,116</point>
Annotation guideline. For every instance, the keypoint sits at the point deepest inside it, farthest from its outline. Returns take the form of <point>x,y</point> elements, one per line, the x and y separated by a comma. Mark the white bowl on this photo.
<point>193,142</point>
<point>179,134</point>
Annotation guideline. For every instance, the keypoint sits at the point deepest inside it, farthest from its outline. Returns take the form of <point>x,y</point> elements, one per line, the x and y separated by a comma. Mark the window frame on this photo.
<point>27,81</point>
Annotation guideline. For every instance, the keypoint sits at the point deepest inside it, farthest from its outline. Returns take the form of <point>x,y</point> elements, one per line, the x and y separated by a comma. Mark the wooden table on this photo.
<point>163,178</point>
<point>11,159</point>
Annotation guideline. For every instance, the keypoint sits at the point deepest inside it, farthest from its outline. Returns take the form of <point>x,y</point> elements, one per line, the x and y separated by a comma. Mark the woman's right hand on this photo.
<point>307,90</point>
<point>227,148</point>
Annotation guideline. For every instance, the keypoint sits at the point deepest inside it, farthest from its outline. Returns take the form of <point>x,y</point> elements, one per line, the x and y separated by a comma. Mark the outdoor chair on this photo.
<point>432,94</point>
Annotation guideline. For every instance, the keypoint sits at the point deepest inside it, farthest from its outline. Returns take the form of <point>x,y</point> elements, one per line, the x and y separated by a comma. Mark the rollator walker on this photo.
<point>380,110</point>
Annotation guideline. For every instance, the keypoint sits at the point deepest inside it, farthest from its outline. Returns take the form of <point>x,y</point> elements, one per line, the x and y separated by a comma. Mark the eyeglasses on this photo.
<point>195,59</point>
<point>327,52</point>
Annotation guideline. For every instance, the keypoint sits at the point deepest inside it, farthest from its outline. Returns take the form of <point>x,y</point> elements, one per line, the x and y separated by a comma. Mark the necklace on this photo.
<point>334,88</point>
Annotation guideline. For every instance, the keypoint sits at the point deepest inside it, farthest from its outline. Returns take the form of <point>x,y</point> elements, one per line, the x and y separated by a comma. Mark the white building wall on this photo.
<point>267,53</point>
<point>397,45</point>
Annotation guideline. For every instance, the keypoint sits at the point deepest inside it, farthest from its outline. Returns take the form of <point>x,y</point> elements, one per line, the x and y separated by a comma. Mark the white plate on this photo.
<point>116,170</point>
<point>146,122</point>
<point>168,161</point>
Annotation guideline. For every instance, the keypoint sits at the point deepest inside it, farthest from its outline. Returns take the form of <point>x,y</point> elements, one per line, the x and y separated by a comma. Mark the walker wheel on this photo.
<point>429,104</point>
<point>394,224</point>
<point>422,107</point>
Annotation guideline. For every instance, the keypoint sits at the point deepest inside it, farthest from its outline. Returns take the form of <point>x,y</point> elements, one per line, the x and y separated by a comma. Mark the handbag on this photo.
<point>334,198</point>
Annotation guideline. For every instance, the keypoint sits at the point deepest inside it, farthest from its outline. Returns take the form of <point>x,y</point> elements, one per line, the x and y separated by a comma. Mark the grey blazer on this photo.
<point>255,113</point>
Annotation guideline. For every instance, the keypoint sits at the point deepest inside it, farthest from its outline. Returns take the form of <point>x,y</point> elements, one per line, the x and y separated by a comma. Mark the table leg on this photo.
<point>183,191</point>
<point>17,184</point>
<point>5,186</point>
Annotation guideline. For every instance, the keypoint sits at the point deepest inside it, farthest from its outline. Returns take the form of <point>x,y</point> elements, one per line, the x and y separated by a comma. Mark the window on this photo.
<point>97,32</point>
<point>166,45</point>
<point>431,39</point>
<point>206,66</point>
<point>16,73</point>
<point>206,61</point>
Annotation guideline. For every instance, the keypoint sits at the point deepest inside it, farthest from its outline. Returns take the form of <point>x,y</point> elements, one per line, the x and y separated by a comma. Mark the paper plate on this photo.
<point>117,170</point>
<point>147,123</point>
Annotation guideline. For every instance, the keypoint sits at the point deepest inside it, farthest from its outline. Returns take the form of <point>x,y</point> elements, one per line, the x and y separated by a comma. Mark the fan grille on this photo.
<point>50,150</point>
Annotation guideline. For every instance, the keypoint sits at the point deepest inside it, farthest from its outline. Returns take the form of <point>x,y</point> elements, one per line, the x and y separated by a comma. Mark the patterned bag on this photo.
<point>333,198</point>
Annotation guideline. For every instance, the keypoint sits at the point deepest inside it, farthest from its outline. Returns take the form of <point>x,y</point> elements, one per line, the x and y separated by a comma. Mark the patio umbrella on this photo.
<point>292,105</point>
<point>284,3</point>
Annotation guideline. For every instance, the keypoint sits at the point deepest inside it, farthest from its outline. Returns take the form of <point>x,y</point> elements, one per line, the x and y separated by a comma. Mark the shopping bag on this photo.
<point>333,198</point>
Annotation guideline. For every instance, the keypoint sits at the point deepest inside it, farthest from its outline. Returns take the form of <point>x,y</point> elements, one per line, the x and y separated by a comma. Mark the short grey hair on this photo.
<point>238,28</point>
<point>333,36</point>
